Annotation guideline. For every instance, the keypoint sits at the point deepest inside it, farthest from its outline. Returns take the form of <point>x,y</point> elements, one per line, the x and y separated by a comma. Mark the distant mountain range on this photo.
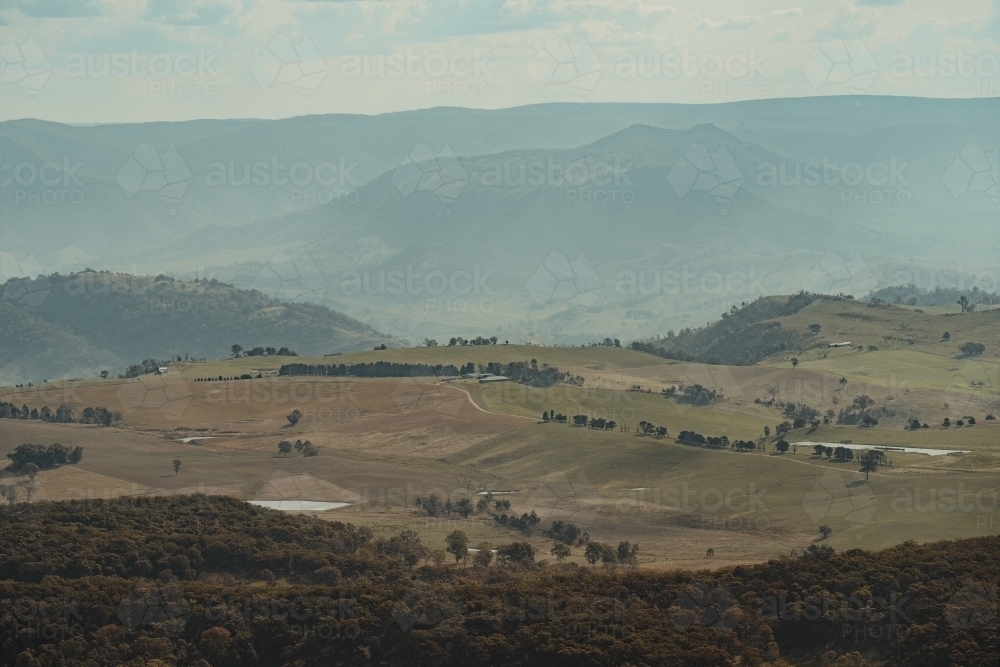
<point>78,325</point>
<point>544,223</point>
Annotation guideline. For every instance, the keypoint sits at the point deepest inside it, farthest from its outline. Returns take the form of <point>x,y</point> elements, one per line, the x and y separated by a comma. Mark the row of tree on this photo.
<point>306,448</point>
<point>693,394</point>
<point>378,369</point>
<point>870,459</point>
<point>61,415</point>
<point>459,341</point>
<point>238,351</point>
<point>719,442</point>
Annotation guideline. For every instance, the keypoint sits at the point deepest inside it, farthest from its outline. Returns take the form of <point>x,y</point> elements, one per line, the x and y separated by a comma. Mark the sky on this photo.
<point>104,61</point>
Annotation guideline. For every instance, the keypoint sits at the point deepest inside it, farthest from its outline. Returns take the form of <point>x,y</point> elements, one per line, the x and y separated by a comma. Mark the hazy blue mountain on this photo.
<point>689,189</point>
<point>97,210</point>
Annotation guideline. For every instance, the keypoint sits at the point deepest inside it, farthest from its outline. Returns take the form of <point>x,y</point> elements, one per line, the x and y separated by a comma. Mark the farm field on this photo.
<point>382,443</point>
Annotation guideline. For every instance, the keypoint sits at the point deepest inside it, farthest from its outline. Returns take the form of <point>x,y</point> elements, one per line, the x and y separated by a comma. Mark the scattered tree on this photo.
<point>432,504</point>
<point>484,555</point>
<point>284,447</point>
<point>561,551</point>
<point>781,446</point>
<point>627,553</point>
<point>177,466</point>
<point>870,461</point>
<point>516,553</point>
<point>458,544</point>
<point>825,531</point>
<point>843,454</point>
<point>293,417</point>
<point>464,508</point>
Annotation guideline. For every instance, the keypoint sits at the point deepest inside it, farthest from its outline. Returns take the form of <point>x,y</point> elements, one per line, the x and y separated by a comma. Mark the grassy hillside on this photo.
<point>78,324</point>
<point>778,327</point>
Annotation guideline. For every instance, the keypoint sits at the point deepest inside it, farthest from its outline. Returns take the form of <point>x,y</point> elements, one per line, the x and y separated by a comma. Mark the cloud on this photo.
<point>193,12</point>
<point>784,13</point>
<point>747,21</point>
<point>642,9</point>
<point>730,23</point>
<point>847,21</point>
<point>60,9</point>
<point>880,3</point>
<point>782,36</point>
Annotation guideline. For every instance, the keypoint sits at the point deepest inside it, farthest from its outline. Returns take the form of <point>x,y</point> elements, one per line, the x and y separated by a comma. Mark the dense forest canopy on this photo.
<point>212,581</point>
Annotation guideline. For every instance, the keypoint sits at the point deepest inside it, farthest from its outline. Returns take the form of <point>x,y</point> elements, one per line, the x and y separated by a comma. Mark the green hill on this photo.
<point>82,323</point>
<point>773,325</point>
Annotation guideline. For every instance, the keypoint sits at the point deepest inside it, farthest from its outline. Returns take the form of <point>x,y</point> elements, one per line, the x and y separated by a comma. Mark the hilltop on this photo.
<point>772,326</point>
<point>82,323</point>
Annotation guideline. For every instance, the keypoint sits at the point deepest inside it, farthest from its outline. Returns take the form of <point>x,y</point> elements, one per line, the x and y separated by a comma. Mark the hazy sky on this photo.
<point>85,61</point>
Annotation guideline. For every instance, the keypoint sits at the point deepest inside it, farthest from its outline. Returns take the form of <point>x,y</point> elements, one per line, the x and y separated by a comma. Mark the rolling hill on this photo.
<point>79,324</point>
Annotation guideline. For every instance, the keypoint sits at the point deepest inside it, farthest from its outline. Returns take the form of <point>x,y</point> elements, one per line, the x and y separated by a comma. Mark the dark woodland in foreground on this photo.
<point>212,581</point>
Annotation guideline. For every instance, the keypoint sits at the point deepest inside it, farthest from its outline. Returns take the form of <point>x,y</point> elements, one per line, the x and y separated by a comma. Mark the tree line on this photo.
<point>378,369</point>
<point>525,372</point>
<point>61,415</point>
<point>237,351</point>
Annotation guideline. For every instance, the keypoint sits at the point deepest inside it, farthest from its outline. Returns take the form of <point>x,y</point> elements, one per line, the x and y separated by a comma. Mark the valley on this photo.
<point>383,442</point>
